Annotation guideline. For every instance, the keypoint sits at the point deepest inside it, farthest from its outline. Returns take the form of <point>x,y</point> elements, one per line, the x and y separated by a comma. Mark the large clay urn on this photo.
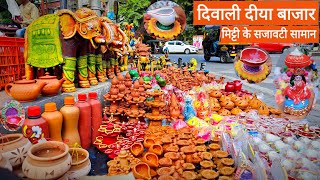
<point>24,90</point>
<point>53,84</point>
<point>80,165</point>
<point>47,160</point>
<point>14,148</point>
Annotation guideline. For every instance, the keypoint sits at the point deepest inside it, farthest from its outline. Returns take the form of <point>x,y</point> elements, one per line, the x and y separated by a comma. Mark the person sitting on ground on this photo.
<point>29,13</point>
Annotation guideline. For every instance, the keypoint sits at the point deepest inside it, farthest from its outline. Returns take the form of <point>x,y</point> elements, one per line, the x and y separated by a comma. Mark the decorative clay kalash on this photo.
<point>61,38</point>
<point>114,96</point>
<point>155,118</point>
<point>298,96</point>
<point>134,98</point>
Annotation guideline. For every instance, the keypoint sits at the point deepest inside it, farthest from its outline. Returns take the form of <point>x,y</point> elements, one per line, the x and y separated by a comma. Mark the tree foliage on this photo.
<point>132,11</point>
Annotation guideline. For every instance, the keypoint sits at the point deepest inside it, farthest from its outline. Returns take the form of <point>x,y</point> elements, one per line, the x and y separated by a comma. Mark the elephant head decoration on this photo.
<point>71,40</point>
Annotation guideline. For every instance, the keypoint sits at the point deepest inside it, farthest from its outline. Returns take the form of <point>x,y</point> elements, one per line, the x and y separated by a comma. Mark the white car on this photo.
<point>179,47</point>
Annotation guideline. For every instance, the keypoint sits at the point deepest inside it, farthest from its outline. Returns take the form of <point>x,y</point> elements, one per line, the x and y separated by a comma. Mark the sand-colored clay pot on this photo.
<point>151,159</point>
<point>14,148</point>
<point>4,163</point>
<point>189,175</point>
<point>24,90</point>
<point>141,171</point>
<point>80,165</point>
<point>157,149</point>
<point>136,149</point>
<point>148,142</point>
<point>47,160</point>
<point>165,171</point>
<point>209,174</point>
<point>165,162</point>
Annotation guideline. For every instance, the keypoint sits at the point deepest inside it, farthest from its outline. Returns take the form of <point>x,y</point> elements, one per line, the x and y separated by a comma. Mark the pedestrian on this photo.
<point>29,13</point>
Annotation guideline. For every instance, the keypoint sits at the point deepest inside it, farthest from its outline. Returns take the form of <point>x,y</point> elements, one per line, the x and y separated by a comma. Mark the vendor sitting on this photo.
<point>29,13</point>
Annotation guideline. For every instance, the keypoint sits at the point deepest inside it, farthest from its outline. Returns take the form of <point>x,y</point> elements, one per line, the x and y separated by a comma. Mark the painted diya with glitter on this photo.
<point>165,20</point>
<point>12,115</point>
<point>252,65</point>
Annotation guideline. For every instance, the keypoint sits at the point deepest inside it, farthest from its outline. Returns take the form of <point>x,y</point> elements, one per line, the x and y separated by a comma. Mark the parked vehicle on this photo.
<point>273,47</point>
<point>156,46</point>
<point>212,46</point>
<point>179,47</point>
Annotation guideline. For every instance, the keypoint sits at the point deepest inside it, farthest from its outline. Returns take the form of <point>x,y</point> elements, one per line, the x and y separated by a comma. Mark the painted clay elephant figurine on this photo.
<point>66,38</point>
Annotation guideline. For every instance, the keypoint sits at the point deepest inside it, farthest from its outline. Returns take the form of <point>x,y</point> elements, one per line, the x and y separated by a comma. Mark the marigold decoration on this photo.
<point>163,32</point>
<point>246,73</point>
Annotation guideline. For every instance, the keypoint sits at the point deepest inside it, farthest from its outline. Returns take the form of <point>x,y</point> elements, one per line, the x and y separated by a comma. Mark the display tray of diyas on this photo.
<point>167,153</point>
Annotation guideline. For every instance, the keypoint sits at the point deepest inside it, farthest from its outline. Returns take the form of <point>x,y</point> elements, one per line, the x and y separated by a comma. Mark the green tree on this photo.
<point>132,11</point>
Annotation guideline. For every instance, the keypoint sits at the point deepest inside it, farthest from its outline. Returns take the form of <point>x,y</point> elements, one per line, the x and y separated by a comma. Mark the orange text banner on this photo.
<point>269,34</point>
<point>255,13</point>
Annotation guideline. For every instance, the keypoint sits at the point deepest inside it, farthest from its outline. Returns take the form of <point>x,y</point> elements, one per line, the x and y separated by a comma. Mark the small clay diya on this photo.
<point>209,174</point>
<point>201,141</point>
<point>165,162</point>
<point>227,161</point>
<point>188,166</point>
<point>227,171</point>
<point>215,139</point>
<point>221,154</point>
<point>189,175</point>
<point>148,142</point>
<point>188,149</point>
<point>214,147</point>
<point>172,155</point>
<point>166,177</point>
<point>141,171</point>
<point>151,159</point>
<point>201,148</point>
<point>136,149</point>
<point>206,164</point>
<point>207,155</point>
<point>172,148</point>
<point>165,171</point>
<point>157,149</point>
<point>183,142</point>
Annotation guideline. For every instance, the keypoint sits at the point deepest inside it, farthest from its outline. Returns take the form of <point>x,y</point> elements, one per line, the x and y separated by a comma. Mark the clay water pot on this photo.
<point>4,163</point>
<point>157,149</point>
<point>14,148</point>
<point>141,171</point>
<point>24,90</point>
<point>151,159</point>
<point>136,149</point>
<point>52,86</point>
<point>47,160</point>
<point>80,165</point>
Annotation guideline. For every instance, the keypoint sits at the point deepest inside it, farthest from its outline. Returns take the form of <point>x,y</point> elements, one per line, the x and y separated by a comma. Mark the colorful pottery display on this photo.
<point>14,148</point>
<point>47,160</point>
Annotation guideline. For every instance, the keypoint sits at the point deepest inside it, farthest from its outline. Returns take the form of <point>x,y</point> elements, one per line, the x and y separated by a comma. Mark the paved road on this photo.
<point>264,89</point>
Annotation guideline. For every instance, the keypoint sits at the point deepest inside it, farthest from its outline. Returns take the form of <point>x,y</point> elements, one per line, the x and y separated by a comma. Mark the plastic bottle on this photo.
<point>84,125</point>
<point>35,128</point>
<point>54,119</point>
<point>70,113</point>
<point>96,114</point>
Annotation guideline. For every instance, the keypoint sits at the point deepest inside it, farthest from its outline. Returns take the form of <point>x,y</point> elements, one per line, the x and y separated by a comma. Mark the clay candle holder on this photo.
<point>155,118</point>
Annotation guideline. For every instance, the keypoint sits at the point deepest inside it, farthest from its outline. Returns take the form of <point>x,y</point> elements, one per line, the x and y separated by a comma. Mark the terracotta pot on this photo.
<point>4,163</point>
<point>80,165</point>
<point>53,84</point>
<point>229,87</point>
<point>24,90</point>
<point>136,149</point>
<point>151,159</point>
<point>157,149</point>
<point>47,160</point>
<point>14,148</point>
<point>141,171</point>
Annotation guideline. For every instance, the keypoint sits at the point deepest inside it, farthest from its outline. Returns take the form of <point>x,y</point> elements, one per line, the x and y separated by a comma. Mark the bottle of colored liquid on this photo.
<point>70,113</point>
<point>96,114</point>
<point>35,128</point>
<point>84,125</point>
<point>54,119</point>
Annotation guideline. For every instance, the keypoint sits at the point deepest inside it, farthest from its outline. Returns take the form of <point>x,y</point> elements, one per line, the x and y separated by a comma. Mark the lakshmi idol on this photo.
<point>297,95</point>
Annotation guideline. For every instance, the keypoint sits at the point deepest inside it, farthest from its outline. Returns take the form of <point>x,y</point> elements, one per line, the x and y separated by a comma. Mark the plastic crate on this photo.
<point>12,62</point>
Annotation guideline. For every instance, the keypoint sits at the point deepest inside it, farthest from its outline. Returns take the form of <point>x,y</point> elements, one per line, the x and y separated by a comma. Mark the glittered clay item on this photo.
<point>13,115</point>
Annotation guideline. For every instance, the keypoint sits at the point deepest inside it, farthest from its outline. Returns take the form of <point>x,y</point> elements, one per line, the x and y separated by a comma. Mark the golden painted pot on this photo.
<point>14,148</point>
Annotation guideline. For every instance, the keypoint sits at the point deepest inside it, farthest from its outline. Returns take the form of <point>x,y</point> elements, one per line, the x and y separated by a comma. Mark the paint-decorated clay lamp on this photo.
<point>252,65</point>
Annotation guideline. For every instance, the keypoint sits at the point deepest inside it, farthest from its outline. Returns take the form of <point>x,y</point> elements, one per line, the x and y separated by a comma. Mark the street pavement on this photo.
<point>265,90</point>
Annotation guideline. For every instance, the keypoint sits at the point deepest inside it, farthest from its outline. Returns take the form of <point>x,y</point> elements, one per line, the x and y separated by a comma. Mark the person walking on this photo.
<point>29,13</point>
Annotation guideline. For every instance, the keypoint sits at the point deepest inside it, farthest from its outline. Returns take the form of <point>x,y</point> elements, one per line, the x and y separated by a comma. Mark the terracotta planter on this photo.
<point>80,165</point>
<point>47,160</point>
<point>4,163</point>
<point>14,148</point>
